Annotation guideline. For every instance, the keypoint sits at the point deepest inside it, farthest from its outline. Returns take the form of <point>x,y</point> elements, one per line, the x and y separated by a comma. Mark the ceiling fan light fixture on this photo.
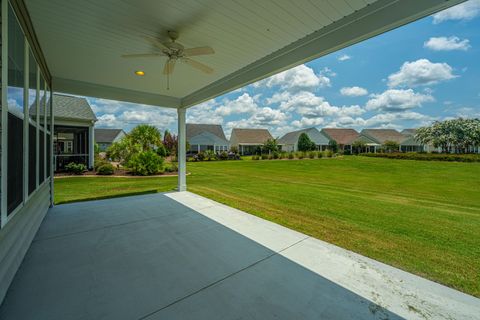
<point>140,73</point>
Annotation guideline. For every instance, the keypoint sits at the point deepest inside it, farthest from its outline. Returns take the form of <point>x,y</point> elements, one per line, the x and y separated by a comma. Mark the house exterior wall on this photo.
<point>26,142</point>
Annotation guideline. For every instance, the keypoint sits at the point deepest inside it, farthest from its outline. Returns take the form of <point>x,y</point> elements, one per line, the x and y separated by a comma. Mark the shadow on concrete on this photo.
<point>149,257</point>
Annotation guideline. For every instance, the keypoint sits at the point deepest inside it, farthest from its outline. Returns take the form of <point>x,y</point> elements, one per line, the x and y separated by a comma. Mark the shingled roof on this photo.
<point>292,137</point>
<point>382,135</point>
<point>408,132</point>
<point>250,136</point>
<point>106,135</point>
<point>194,129</point>
<point>340,135</point>
<point>68,108</point>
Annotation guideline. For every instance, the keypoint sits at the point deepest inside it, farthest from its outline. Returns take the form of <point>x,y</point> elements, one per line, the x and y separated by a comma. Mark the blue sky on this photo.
<point>427,70</point>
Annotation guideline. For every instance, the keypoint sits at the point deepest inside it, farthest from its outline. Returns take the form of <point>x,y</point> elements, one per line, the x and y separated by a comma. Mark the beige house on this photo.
<point>249,140</point>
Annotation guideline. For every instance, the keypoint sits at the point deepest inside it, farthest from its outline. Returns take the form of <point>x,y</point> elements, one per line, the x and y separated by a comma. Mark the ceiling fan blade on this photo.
<point>169,66</point>
<point>143,55</point>
<point>199,51</point>
<point>157,43</point>
<point>197,65</point>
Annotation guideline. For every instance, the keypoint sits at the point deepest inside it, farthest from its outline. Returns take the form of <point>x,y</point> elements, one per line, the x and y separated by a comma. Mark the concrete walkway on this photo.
<point>182,256</point>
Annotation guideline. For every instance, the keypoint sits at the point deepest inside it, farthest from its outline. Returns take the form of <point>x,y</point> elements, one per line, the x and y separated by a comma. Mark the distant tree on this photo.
<point>170,142</point>
<point>270,145</point>
<point>234,149</point>
<point>304,143</point>
<point>146,136</point>
<point>333,146</point>
<point>391,146</point>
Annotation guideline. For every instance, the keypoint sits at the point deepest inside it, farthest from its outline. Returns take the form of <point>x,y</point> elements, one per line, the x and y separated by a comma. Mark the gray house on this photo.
<point>203,137</point>
<point>105,137</point>
<point>73,133</point>
<point>289,141</point>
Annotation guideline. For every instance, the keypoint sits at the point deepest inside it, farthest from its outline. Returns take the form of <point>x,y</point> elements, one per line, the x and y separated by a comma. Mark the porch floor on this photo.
<point>182,256</point>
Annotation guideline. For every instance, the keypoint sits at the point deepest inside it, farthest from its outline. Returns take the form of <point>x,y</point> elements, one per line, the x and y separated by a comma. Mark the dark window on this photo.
<point>32,158</point>
<point>15,163</point>
<point>41,162</point>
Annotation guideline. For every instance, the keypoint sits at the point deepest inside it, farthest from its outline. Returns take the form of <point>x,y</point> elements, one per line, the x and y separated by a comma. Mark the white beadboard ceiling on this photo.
<point>82,40</point>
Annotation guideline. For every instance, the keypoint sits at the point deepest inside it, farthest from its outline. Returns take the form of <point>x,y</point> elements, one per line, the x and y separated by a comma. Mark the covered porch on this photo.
<point>182,256</point>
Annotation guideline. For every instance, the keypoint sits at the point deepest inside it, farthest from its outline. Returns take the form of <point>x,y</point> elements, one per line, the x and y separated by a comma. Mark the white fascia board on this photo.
<point>113,93</point>
<point>374,19</point>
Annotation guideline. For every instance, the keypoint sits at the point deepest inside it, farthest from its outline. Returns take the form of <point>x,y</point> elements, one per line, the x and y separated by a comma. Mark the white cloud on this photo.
<point>344,57</point>
<point>353,91</point>
<point>243,104</point>
<point>298,78</point>
<point>465,11</point>
<point>204,113</point>
<point>397,100</point>
<point>263,118</point>
<point>108,120</point>
<point>447,44</point>
<point>420,72</point>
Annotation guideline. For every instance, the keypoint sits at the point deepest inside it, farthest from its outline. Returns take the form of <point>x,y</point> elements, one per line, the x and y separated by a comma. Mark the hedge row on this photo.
<point>427,156</point>
<point>295,155</point>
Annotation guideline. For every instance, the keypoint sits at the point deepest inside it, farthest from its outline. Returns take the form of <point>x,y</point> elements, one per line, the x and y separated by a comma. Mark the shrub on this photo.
<point>276,155</point>
<point>234,149</point>
<point>328,153</point>
<point>76,168</point>
<point>146,163</point>
<point>210,155</point>
<point>333,146</point>
<point>201,156</point>
<point>270,156</point>
<point>98,163</point>
<point>300,155</point>
<point>105,169</point>
<point>311,155</point>
<point>255,157</point>
<point>264,156</point>
<point>283,155</point>
<point>162,151</point>
<point>223,155</point>
<point>427,156</point>
<point>320,154</point>
<point>291,156</point>
<point>171,168</point>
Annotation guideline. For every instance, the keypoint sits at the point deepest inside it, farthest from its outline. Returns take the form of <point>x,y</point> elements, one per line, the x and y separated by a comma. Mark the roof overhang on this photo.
<point>82,42</point>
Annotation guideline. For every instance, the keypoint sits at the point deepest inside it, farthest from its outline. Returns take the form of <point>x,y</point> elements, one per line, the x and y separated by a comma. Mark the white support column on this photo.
<point>4,124</point>
<point>91,146</point>
<point>182,144</point>
<point>26,118</point>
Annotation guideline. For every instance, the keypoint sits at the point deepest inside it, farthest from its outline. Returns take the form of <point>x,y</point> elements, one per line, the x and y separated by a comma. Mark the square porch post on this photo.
<point>182,145</point>
<point>91,146</point>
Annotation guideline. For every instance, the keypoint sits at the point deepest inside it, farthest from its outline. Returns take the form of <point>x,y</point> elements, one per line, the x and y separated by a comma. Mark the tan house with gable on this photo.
<point>248,140</point>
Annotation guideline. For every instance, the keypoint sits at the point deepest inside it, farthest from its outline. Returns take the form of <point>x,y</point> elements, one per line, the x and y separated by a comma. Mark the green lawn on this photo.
<point>423,217</point>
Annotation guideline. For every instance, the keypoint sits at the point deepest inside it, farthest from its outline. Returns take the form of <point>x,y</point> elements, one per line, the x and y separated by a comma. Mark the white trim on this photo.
<point>37,131</point>
<point>113,93</point>
<point>26,121</point>
<point>52,152</point>
<point>4,117</point>
<point>182,152</point>
<point>91,147</point>
<point>45,156</point>
<point>379,17</point>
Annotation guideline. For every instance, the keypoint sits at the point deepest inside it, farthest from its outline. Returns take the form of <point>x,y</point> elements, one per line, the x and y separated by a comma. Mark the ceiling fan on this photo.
<point>174,51</point>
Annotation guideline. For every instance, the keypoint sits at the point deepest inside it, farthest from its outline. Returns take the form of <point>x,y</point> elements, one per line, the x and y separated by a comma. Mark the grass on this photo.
<point>423,217</point>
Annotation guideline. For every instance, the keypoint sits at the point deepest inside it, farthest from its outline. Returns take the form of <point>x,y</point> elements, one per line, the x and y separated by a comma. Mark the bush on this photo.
<point>320,154</point>
<point>171,168</point>
<point>328,153</point>
<point>210,155</point>
<point>276,155</point>
<point>98,163</point>
<point>200,156</point>
<point>311,155</point>
<point>255,157</point>
<point>427,156</point>
<point>300,155</point>
<point>291,156</point>
<point>264,156</point>
<point>304,143</point>
<point>162,151</point>
<point>223,155</point>
<point>105,169</point>
<point>146,163</point>
<point>76,168</point>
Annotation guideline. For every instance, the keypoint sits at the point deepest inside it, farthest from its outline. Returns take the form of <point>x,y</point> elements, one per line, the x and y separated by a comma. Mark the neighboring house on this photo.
<point>104,138</point>
<point>248,140</point>
<point>371,145</point>
<point>73,139</point>
<point>289,141</point>
<point>408,132</point>
<point>410,144</point>
<point>381,136</point>
<point>343,137</point>
<point>203,137</point>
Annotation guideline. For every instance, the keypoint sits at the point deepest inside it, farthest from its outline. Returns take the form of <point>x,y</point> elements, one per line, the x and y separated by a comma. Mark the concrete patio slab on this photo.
<point>181,256</point>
